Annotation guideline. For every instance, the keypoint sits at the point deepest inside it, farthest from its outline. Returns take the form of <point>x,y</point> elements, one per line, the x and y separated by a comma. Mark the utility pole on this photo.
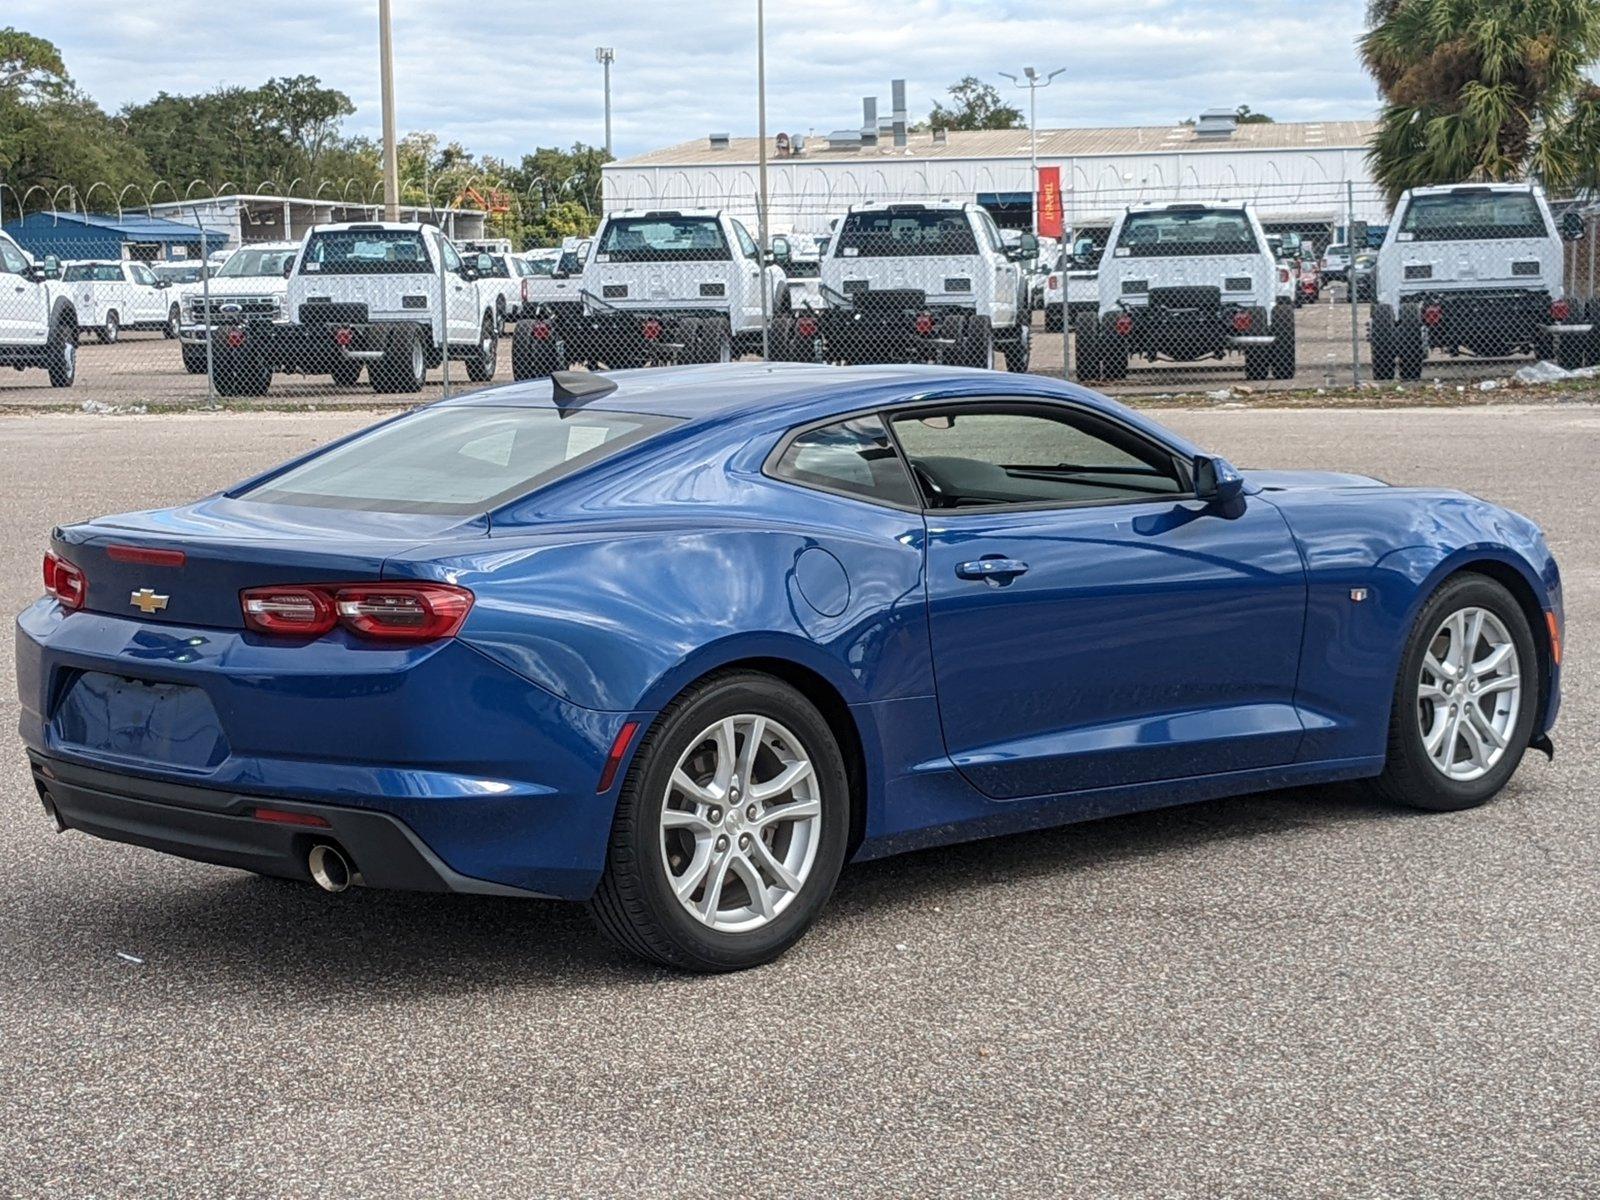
<point>1033,83</point>
<point>391,164</point>
<point>605,56</point>
<point>761,207</point>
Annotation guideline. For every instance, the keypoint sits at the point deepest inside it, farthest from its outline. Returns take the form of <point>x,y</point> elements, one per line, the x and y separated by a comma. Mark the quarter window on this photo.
<point>747,244</point>
<point>11,258</point>
<point>969,458</point>
<point>855,457</point>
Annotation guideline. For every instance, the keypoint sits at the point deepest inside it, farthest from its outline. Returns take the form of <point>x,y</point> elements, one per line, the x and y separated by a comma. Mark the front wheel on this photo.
<point>1283,342</point>
<point>1465,699</point>
<point>1020,350</point>
<point>1411,347</point>
<point>1086,347</point>
<point>111,330</point>
<point>174,318</point>
<point>485,356</point>
<point>730,831</point>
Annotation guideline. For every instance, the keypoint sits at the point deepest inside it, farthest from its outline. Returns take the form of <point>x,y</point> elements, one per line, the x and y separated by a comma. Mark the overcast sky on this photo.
<point>504,78</point>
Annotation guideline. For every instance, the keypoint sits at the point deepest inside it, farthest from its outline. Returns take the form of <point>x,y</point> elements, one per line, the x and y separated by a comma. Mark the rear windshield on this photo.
<point>91,273</point>
<point>539,266</point>
<point>1173,233</point>
<point>255,264</point>
<point>663,237</point>
<point>365,252</point>
<point>179,274</point>
<point>1472,216</point>
<point>456,460</point>
<point>905,233</point>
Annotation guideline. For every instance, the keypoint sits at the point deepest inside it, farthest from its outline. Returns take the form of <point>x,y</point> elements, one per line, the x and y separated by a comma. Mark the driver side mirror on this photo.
<point>1572,226</point>
<point>781,251</point>
<point>1027,247</point>
<point>1216,481</point>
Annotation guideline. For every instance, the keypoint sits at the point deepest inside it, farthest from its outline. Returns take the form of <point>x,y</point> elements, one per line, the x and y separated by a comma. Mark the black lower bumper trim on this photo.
<point>219,827</point>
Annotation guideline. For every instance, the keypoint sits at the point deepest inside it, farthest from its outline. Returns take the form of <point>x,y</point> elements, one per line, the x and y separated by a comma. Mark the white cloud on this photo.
<point>504,78</point>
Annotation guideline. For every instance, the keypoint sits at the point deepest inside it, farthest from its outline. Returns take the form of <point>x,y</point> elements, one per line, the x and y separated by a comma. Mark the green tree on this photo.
<point>1484,90</point>
<point>1247,116</point>
<point>30,67</point>
<point>977,105</point>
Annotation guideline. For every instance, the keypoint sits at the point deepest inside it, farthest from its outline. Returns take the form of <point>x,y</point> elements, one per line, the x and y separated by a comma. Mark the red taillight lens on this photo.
<point>1432,314</point>
<point>1123,325</point>
<point>651,329</point>
<point>288,611</point>
<point>524,291</point>
<point>1283,274</point>
<point>149,556</point>
<point>343,336</point>
<point>235,338</point>
<point>1242,322</point>
<point>541,331</point>
<point>806,326</point>
<point>282,816</point>
<point>405,612</point>
<point>65,582</point>
<point>1053,282</point>
<point>924,324</point>
<point>1560,310</point>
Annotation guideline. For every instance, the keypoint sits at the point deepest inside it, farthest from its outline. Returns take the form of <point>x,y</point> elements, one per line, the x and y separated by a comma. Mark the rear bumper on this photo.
<point>221,827</point>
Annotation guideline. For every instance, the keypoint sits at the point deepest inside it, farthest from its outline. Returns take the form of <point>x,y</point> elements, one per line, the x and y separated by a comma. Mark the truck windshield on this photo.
<point>253,264</point>
<point>905,233</point>
<point>460,461</point>
<point>663,237</point>
<point>365,252</point>
<point>1172,233</point>
<point>1472,215</point>
<point>181,273</point>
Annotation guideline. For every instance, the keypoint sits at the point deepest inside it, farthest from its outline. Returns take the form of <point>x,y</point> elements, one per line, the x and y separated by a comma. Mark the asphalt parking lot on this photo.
<point>1294,994</point>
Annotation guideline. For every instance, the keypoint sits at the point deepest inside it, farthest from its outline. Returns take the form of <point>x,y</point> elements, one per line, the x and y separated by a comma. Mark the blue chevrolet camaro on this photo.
<point>680,643</point>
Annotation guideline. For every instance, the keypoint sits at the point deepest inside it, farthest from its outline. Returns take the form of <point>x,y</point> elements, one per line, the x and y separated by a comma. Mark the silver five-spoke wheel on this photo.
<point>741,823</point>
<point>1468,693</point>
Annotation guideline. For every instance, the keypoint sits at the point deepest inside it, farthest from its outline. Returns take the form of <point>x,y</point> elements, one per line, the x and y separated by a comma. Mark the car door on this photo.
<point>148,299</point>
<point>747,260</point>
<point>24,304</point>
<point>1007,274</point>
<point>1092,623</point>
<point>461,296</point>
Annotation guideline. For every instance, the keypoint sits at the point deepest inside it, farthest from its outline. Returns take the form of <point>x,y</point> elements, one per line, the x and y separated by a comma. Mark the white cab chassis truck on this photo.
<point>1476,269</point>
<point>367,295</point>
<point>38,322</point>
<point>1186,282</point>
<point>917,282</point>
<point>660,286</point>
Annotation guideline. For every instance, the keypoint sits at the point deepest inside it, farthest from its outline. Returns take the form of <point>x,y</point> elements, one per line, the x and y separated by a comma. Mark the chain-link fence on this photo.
<point>1282,287</point>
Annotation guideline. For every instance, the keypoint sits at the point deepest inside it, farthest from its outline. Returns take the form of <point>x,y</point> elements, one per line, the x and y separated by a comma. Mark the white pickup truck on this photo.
<point>38,323</point>
<point>365,294</point>
<point>249,286</point>
<point>112,295</point>
<point>1476,269</point>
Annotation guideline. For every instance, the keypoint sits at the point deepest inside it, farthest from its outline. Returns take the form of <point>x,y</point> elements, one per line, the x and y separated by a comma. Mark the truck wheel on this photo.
<point>1113,350</point>
<point>111,330</point>
<point>531,357</point>
<point>174,318</point>
<point>485,356</point>
<point>1283,341</point>
<point>780,339</point>
<point>194,359</point>
<point>1570,350</point>
<point>1086,347</point>
<point>977,343</point>
<point>1018,353</point>
<point>501,320</point>
<point>1381,338</point>
<point>1055,318</point>
<point>1409,347</point>
<point>61,354</point>
<point>689,337</point>
<point>347,372</point>
<point>404,363</point>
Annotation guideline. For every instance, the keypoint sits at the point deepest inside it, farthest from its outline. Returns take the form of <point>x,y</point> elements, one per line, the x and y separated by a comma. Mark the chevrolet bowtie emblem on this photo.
<point>147,601</point>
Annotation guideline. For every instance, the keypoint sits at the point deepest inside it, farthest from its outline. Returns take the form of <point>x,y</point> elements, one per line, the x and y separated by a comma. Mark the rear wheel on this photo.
<point>1381,336</point>
<point>977,343</point>
<point>1283,341</point>
<point>174,317</point>
<point>194,358</point>
<point>1086,347</point>
<point>1410,349</point>
<point>61,354</point>
<point>1570,348</point>
<point>111,330</point>
<point>780,339</point>
<point>716,341</point>
<point>689,337</point>
<point>1465,700</point>
<point>1055,318</point>
<point>241,370</point>
<point>403,366</point>
<point>1113,350</point>
<point>532,357</point>
<point>730,829</point>
<point>1019,351</point>
<point>483,358</point>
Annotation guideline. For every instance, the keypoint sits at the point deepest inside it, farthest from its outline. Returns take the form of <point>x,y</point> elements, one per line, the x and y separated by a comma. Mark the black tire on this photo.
<point>635,905</point>
<point>532,357</point>
<point>1381,337</point>
<point>403,366</point>
<point>691,339</point>
<point>780,339</point>
<point>194,358</point>
<point>1570,349</point>
<point>977,343</point>
<point>174,318</point>
<point>1410,349</point>
<point>483,358</point>
<point>1113,350</point>
<point>501,320</point>
<point>1086,347</point>
<point>951,331</point>
<point>1019,351</point>
<point>1409,775</point>
<point>111,330</point>
<point>61,354</point>
<point>347,372</point>
<point>241,371</point>
<point>1283,342</point>
<point>1055,318</point>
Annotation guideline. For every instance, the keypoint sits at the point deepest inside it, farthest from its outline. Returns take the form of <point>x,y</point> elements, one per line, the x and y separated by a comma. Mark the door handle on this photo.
<point>992,568</point>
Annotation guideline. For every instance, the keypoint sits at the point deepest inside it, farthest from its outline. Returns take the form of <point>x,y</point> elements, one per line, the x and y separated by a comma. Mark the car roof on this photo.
<point>1445,189</point>
<point>392,226</point>
<point>276,245</point>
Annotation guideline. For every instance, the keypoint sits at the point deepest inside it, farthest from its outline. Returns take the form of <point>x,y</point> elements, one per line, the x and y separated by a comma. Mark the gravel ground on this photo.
<point>1295,994</point>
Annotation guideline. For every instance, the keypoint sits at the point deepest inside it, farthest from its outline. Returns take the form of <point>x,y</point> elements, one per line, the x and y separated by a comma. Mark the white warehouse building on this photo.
<point>1297,174</point>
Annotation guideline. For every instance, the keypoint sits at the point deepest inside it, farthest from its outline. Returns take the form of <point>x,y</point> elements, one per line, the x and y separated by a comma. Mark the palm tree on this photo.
<point>1484,90</point>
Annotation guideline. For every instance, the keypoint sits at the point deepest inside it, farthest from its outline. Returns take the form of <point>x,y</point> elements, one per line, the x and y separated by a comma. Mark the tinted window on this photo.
<point>1471,215</point>
<point>975,457</point>
<point>256,263</point>
<point>664,237</point>
<point>540,266</point>
<point>456,460</point>
<point>92,273</point>
<point>902,231</point>
<point>141,274</point>
<point>747,244</point>
<point>493,266</point>
<point>363,252</point>
<point>1183,231</point>
<point>855,457</point>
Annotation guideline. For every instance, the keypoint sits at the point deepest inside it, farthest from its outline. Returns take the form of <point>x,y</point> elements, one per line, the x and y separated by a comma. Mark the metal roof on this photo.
<point>133,227</point>
<point>1014,143</point>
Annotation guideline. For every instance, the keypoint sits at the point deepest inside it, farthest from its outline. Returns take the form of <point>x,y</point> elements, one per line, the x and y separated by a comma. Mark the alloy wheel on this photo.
<point>1469,692</point>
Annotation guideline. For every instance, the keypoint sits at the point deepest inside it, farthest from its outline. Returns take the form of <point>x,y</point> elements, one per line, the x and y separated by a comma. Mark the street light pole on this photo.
<point>391,164</point>
<point>761,214</point>
<point>605,56</point>
<point>1033,83</point>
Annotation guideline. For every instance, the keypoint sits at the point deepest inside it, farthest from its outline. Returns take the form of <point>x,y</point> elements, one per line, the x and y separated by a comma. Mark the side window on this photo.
<point>855,457</point>
<point>141,274</point>
<point>990,230</point>
<point>452,260</point>
<point>11,259</point>
<point>746,243</point>
<point>972,457</point>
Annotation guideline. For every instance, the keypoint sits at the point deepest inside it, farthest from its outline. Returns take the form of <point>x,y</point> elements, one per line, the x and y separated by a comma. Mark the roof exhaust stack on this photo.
<point>869,120</point>
<point>897,88</point>
<point>1217,123</point>
<point>719,141</point>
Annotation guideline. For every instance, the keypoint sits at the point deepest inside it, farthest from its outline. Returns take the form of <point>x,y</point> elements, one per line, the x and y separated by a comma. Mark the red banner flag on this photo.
<point>1049,202</point>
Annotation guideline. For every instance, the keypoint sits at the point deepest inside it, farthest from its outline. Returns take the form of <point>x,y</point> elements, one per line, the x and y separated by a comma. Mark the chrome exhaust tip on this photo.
<point>330,869</point>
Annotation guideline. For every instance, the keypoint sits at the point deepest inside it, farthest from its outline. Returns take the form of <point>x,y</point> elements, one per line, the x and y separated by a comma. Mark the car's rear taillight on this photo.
<point>541,331</point>
<point>1432,314</point>
<point>1053,282</point>
<point>343,337</point>
<point>1283,274</point>
<point>65,582</point>
<point>924,323</point>
<point>806,326</point>
<point>524,291</point>
<point>1123,325</point>
<point>1560,310</point>
<point>651,329</point>
<point>406,612</point>
<point>234,338</point>
<point>1242,320</point>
